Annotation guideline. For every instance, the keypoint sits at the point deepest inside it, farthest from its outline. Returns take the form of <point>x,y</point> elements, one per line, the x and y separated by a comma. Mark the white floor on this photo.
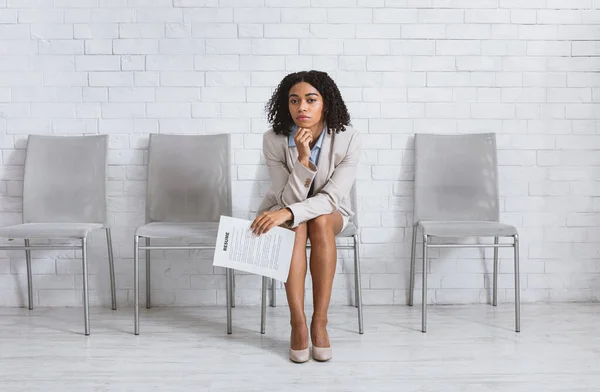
<point>467,348</point>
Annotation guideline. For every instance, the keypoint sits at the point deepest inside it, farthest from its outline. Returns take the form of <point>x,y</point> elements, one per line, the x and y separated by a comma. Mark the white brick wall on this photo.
<point>524,69</point>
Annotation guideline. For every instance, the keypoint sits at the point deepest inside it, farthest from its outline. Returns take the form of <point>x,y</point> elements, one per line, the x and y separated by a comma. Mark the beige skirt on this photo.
<point>345,220</point>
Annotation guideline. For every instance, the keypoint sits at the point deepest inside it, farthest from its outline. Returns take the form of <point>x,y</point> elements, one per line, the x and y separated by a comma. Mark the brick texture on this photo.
<point>526,70</point>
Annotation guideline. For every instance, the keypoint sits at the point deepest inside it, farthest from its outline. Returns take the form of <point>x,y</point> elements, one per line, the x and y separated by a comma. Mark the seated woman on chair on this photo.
<point>312,156</point>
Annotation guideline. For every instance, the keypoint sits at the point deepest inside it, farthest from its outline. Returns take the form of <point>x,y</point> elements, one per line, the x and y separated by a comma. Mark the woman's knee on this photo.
<point>320,221</point>
<point>319,226</point>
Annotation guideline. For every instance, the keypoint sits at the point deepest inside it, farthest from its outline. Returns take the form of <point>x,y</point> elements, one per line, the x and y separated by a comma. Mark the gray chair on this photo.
<point>456,196</point>
<point>350,231</point>
<point>64,198</point>
<point>189,188</point>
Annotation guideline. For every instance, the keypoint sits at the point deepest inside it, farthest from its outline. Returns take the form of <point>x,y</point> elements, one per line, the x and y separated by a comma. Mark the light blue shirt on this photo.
<point>315,151</point>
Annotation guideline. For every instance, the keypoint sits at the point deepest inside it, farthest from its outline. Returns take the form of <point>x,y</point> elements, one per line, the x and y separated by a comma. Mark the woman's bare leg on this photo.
<point>323,259</point>
<point>294,289</point>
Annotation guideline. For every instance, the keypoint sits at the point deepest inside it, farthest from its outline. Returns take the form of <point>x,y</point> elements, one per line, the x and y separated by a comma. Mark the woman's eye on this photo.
<point>293,101</point>
<point>312,100</point>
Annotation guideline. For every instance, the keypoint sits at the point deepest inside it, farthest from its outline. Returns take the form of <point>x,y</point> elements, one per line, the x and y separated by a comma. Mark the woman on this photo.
<point>312,157</point>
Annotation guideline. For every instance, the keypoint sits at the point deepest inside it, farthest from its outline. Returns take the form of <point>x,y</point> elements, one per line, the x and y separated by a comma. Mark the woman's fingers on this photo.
<point>306,138</point>
<point>258,222</point>
<point>303,133</point>
<point>264,225</point>
<point>254,223</point>
<point>299,134</point>
<point>303,140</point>
<point>263,228</point>
<point>309,135</point>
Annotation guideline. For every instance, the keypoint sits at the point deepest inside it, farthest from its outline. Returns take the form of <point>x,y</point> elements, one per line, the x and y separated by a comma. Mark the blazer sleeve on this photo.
<point>289,187</point>
<point>336,188</point>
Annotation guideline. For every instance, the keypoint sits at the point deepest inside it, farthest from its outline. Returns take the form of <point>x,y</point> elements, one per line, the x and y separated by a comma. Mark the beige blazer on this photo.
<point>333,176</point>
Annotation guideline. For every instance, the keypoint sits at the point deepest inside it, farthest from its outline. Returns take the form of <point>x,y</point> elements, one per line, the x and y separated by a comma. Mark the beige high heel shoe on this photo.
<point>299,356</point>
<point>322,354</point>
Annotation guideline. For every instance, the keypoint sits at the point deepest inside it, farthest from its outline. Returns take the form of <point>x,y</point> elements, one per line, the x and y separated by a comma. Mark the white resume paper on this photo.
<point>239,248</point>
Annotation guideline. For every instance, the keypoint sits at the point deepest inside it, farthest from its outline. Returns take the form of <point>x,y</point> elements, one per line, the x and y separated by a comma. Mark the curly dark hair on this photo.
<point>335,114</point>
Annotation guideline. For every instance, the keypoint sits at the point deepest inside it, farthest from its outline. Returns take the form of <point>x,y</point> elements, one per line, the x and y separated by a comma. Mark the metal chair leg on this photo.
<point>495,288</point>
<point>411,289</point>
<point>263,304</point>
<point>228,295</point>
<point>111,268</point>
<point>136,285</point>
<point>356,299</point>
<point>148,278</point>
<point>86,300</point>
<point>29,277</point>
<point>273,293</point>
<point>233,288</point>
<point>358,283</point>
<point>517,287</point>
<point>424,305</point>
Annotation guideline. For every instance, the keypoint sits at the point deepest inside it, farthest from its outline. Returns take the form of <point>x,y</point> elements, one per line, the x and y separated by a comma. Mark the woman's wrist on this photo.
<point>305,162</point>
<point>290,214</point>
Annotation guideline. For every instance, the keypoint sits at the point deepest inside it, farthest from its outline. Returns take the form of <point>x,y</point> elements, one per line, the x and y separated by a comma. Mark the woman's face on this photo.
<point>306,105</point>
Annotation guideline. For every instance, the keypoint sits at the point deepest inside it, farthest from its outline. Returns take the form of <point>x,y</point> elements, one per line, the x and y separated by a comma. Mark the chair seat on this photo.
<point>467,229</point>
<point>348,231</point>
<point>201,230</point>
<point>49,230</point>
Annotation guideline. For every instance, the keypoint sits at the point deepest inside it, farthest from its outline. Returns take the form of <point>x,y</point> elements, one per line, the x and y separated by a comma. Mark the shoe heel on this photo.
<point>299,356</point>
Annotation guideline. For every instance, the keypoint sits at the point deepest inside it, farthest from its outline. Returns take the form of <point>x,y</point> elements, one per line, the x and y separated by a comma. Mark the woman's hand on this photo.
<point>303,138</point>
<point>267,220</point>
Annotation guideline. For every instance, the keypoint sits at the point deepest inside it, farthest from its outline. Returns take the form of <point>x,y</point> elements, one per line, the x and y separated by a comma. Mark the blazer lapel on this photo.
<point>292,155</point>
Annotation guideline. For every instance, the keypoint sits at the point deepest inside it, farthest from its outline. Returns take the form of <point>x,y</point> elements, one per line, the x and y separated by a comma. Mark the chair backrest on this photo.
<point>456,177</point>
<point>189,178</point>
<point>65,179</point>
